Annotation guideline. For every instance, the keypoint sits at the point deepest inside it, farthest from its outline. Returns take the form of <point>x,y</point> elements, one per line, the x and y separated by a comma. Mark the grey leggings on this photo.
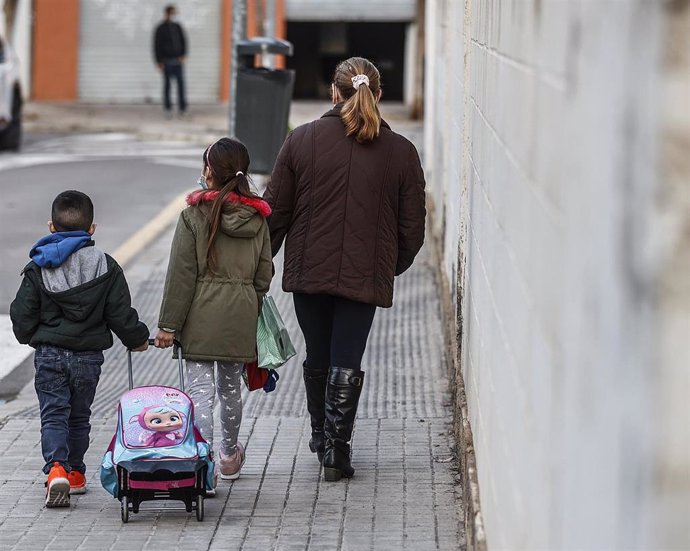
<point>202,389</point>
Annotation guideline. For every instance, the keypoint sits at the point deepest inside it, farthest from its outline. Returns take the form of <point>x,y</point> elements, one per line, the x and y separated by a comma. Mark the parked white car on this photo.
<point>10,98</point>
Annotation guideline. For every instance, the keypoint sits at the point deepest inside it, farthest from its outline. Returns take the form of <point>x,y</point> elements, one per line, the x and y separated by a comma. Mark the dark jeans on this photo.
<point>66,385</point>
<point>170,71</point>
<point>335,329</point>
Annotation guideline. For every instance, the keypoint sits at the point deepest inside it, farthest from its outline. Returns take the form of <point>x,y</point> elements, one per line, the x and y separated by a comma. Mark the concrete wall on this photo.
<point>553,132</point>
<point>672,475</point>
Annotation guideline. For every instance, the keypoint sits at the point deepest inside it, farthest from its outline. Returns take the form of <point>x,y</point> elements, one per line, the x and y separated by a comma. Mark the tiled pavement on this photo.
<point>404,494</point>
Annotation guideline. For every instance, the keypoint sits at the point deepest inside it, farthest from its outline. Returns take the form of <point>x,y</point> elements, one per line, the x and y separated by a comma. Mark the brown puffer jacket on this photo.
<point>353,213</point>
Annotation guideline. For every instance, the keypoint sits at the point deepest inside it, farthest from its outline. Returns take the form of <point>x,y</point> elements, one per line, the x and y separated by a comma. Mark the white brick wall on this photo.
<point>542,150</point>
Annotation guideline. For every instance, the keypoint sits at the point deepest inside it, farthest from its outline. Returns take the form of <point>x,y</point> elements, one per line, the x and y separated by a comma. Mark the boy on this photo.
<point>71,298</point>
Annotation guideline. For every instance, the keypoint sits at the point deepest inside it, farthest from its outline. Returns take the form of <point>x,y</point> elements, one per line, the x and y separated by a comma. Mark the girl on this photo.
<point>220,269</point>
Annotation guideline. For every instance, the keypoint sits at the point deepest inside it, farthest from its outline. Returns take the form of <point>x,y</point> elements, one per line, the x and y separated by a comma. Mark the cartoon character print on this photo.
<point>161,426</point>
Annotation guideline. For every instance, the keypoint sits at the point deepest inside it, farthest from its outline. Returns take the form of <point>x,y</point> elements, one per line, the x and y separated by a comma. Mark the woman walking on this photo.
<point>220,269</point>
<point>347,195</point>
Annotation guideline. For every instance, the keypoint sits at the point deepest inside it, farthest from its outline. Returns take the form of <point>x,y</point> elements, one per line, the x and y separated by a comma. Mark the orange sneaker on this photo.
<point>57,487</point>
<point>77,482</point>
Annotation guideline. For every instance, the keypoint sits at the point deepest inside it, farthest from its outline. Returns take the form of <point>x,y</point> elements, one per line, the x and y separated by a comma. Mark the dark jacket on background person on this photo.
<point>215,313</point>
<point>353,214</point>
<point>72,296</point>
<point>169,43</point>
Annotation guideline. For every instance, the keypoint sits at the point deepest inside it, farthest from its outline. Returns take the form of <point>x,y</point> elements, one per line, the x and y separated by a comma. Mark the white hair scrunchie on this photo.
<point>358,80</point>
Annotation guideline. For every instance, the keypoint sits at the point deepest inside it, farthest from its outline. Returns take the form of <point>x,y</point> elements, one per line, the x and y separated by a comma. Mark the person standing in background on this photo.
<point>170,50</point>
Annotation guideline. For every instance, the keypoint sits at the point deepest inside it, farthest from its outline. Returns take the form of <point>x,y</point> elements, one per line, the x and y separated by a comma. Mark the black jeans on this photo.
<point>335,329</point>
<point>66,385</point>
<point>170,71</point>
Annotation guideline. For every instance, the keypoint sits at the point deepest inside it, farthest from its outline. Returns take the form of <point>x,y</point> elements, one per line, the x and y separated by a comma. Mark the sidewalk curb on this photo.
<point>475,536</point>
<point>202,138</point>
<point>13,383</point>
<point>204,125</point>
<point>25,397</point>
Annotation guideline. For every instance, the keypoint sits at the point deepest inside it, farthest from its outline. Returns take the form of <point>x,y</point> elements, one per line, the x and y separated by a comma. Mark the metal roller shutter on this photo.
<point>115,52</point>
<point>350,10</point>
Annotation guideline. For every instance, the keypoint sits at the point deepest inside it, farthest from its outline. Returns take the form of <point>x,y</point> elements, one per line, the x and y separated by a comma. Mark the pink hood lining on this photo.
<point>259,205</point>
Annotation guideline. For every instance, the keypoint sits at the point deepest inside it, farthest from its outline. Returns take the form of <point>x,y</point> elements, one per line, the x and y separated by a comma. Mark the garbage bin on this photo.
<point>263,101</point>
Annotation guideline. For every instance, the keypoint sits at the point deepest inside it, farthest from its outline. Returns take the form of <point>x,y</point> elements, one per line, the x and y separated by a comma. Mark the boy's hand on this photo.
<point>164,339</point>
<point>141,348</point>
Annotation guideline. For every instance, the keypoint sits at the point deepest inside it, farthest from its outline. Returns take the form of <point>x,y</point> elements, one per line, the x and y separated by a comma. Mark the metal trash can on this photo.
<point>263,101</point>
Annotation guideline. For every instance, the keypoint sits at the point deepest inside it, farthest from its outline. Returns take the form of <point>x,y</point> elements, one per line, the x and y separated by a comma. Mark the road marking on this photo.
<point>13,353</point>
<point>148,233</point>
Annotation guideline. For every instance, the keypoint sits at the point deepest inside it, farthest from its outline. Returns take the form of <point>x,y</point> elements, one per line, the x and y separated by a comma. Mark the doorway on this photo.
<point>320,46</point>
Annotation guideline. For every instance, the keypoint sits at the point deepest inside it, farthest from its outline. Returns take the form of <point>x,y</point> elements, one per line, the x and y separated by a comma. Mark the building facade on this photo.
<point>562,212</point>
<point>100,51</point>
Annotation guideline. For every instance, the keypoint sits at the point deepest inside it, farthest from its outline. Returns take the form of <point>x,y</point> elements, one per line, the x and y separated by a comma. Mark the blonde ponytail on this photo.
<point>360,112</point>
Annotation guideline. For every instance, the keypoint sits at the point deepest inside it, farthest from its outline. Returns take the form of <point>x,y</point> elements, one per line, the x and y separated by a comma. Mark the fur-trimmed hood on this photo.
<point>208,196</point>
<point>243,221</point>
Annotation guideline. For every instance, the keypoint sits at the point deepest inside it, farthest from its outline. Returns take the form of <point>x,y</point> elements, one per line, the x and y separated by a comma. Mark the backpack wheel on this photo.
<point>124,509</point>
<point>200,508</point>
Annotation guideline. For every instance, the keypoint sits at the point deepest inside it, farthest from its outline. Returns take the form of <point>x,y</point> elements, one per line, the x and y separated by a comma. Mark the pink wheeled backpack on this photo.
<point>157,451</point>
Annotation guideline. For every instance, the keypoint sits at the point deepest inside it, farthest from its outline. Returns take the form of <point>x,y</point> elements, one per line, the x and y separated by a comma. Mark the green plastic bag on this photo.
<point>272,338</point>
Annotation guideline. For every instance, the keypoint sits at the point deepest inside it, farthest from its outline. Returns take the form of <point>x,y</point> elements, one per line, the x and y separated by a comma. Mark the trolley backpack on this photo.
<point>157,451</point>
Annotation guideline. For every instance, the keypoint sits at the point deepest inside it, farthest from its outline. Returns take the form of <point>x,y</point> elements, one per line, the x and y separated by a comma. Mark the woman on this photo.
<point>347,195</point>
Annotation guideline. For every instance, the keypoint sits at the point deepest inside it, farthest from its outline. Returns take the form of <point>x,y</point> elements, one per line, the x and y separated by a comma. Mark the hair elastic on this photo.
<point>358,80</point>
<point>239,173</point>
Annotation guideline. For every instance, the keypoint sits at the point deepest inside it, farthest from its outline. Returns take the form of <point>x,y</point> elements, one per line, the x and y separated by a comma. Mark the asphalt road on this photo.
<point>129,181</point>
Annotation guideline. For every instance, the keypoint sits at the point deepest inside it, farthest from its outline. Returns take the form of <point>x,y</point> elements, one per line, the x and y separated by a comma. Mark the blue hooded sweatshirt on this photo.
<point>52,250</point>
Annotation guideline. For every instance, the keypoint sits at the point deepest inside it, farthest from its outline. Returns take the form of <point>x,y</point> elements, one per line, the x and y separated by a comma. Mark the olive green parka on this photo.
<point>214,313</point>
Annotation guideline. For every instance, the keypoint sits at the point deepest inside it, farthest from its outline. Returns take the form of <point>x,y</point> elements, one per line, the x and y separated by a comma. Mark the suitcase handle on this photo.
<point>177,349</point>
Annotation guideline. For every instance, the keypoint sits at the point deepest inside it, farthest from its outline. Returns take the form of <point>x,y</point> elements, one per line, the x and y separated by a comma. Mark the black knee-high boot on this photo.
<point>315,386</point>
<point>342,396</point>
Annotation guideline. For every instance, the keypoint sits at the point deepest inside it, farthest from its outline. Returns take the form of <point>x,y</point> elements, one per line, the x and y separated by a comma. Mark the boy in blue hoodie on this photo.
<point>71,298</point>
